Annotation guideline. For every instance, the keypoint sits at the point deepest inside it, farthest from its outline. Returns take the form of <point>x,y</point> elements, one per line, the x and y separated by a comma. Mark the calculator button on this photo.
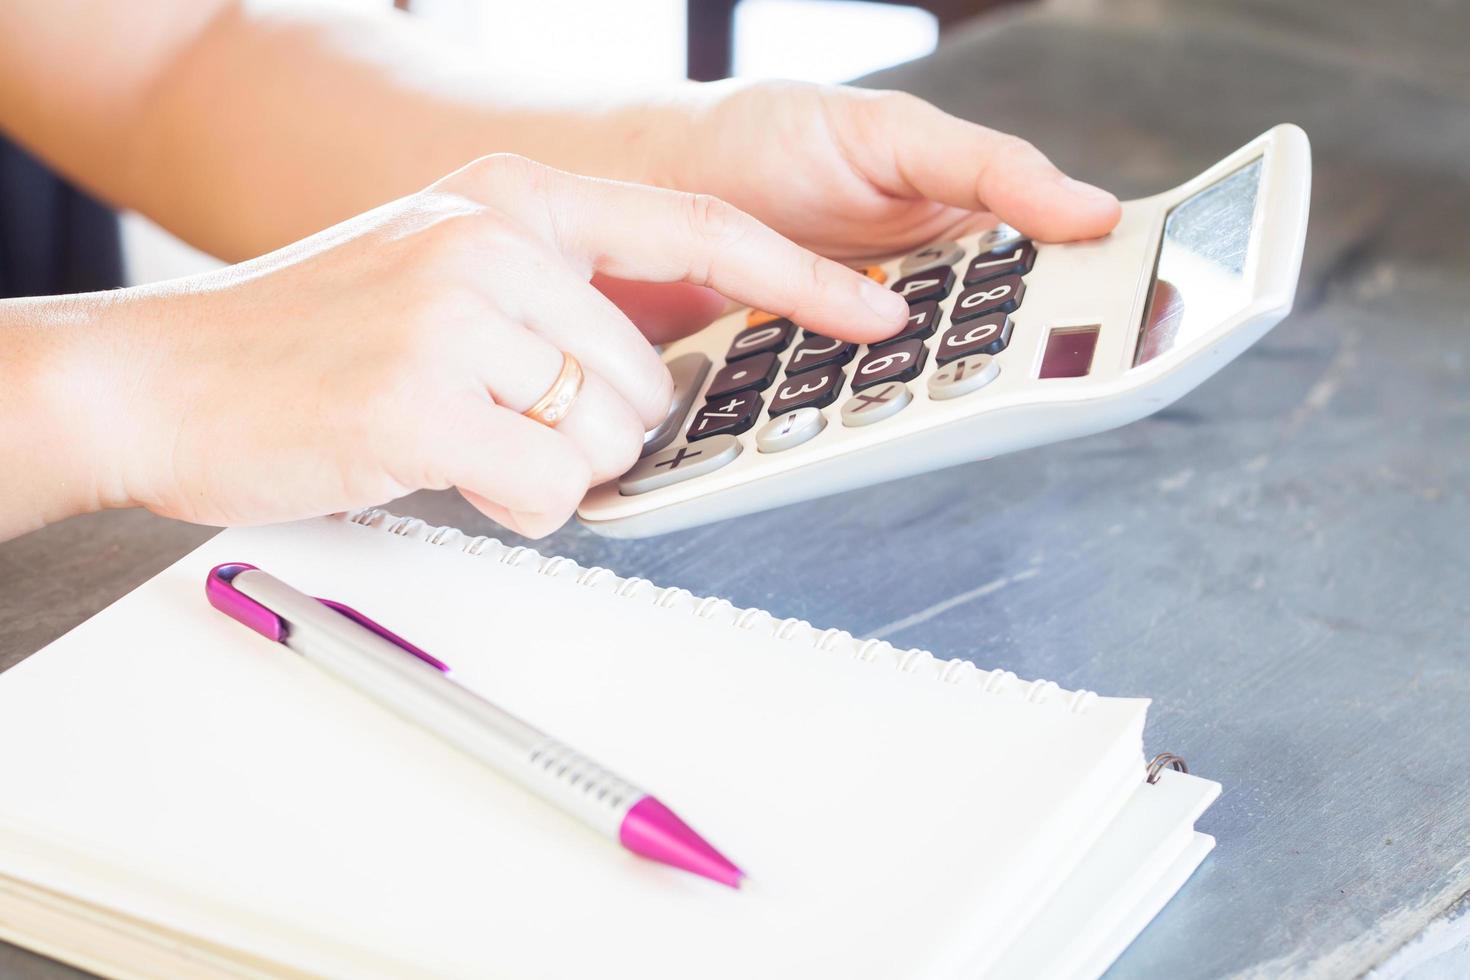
<point>940,253</point>
<point>988,335</point>
<point>934,284</point>
<point>770,337</point>
<point>729,415</point>
<point>815,351</point>
<point>899,362</point>
<point>875,404</point>
<point>963,376</point>
<point>810,389</point>
<point>997,236</point>
<point>758,318</point>
<point>679,463</point>
<point>1012,258</point>
<point>790,430</point>
<point>755,373</point>
<point>688,371</point>
<point>992,296</point>
<point>923,318</point>
<point>876,273</point>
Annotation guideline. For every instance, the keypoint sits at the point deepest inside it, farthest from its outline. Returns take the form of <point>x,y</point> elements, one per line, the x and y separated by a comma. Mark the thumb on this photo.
<point>913,149</point>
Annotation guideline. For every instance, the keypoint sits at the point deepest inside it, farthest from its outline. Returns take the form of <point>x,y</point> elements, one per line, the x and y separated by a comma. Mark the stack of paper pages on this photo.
<point>183,798</point>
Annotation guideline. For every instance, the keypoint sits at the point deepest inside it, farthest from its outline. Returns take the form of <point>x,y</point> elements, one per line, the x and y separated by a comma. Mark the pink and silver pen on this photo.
<point>416,686</point>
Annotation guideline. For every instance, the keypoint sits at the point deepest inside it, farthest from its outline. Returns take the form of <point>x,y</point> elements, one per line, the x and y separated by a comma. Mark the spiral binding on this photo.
<point>1001,683</point>
<point>1157,763</point>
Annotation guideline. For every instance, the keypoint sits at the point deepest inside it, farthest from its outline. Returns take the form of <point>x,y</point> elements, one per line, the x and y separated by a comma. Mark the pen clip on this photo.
<point>219,589</point>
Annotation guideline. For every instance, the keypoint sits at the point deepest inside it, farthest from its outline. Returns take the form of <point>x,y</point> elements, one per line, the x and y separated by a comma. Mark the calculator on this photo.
<point>1009,344</point>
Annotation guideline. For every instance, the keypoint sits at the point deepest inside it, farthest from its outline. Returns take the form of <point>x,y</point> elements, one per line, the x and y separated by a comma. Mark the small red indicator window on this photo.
<point>1069,352</point>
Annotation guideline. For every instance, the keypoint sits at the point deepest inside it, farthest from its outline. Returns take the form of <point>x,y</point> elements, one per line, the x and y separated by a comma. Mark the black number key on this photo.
<point>768,337</point>
<point>816,351</point>
<point>988,335</point>
<point>812,389</point>
<point>924,286</point>
<point>992,296</point>
<point>754,373</point>
<point>923,318</point>
<point>1013,258</point>
<point>729,415</point>
<point>899,362</point>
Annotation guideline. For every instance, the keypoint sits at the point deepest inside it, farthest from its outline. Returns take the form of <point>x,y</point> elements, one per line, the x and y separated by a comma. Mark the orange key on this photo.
<point>755,318</point>
<point>876,273</point>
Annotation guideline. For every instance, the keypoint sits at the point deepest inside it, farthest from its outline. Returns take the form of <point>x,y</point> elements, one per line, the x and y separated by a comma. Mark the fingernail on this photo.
<point>1075,186</point>
<point>889,306</point>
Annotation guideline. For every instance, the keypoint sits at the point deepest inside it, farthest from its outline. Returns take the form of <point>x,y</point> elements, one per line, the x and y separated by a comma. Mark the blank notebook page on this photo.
<point>892,811</point>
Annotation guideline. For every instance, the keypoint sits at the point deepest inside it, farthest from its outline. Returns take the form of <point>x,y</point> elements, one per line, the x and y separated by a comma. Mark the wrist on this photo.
<point>659,134</point>
<point>57,458</point>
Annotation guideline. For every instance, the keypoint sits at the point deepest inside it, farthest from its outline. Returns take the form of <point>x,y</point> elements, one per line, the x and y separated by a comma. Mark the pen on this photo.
<point>416,686</point>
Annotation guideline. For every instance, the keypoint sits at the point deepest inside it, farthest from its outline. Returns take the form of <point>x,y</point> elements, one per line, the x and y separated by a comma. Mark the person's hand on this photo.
<point>856,173</point>
<point>851,173</point>
<point>397,351</point>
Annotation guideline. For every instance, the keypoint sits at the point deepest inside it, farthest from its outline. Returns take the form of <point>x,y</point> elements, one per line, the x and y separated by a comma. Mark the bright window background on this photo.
<point>625,41</point>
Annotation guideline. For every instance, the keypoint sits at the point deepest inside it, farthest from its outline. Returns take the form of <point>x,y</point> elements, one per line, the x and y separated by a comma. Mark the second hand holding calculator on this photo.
<point>1009,344</point>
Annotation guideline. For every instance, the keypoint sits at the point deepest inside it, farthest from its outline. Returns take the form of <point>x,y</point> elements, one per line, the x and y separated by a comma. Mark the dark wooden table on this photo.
<point>1281,560</point>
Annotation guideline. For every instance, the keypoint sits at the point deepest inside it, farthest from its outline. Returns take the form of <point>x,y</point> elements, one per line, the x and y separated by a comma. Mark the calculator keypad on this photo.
<point>688,371</point>
<point>810,389</point>
<point>679,463</point>
<point>876,404</point>
<point>770,337</point>
<point>730,415</point>
<point>790,430</point>
<point>899,362</point>
<point>923,318</point>
<point>755,373</point>
<point>934,284</point>
<point>931,256</point>
<point>988,335</point>
<point>1012,258</point>
<point>963,376</point>
<point>794,375</point>
<point>816,351</point>
<point>991,296</point>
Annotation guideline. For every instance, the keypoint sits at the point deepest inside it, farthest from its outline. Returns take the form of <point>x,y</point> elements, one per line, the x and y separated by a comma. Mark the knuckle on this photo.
<point>511,173</point>
<point>713,220</point>
<point>1009,148</point>
<point>899,103</point>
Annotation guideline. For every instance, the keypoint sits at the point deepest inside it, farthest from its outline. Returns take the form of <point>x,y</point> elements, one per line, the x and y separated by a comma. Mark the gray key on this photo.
<point>682,462</point>
<point>997,236</point>
<point>930,256</point>
<point>688,371</point>
<point>790,430</point>
<point>876,404</point>
<point>963,376</point>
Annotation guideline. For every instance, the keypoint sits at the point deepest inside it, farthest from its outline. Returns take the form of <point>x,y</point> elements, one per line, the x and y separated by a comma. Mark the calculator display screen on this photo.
<point>1203,270</point>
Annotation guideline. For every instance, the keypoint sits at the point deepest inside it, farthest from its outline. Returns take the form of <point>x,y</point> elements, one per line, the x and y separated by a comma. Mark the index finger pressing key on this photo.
<point>657,235</point>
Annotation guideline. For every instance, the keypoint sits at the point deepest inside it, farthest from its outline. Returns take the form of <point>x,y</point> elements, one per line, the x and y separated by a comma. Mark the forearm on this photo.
<point>49,420</point>
<point>272,124</point>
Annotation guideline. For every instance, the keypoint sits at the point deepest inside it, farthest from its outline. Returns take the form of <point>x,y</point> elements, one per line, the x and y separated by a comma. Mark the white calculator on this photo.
<point>1009,344</point>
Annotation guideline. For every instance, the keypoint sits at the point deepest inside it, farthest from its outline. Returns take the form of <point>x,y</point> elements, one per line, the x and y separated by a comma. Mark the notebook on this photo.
<point>184,798</point>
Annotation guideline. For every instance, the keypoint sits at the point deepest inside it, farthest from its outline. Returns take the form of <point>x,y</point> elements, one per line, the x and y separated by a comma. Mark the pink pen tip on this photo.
<point>654,831</point>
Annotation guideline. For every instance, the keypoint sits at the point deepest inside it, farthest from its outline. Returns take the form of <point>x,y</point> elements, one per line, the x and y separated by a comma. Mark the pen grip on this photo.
<point>590,791</point>
<point>419,693</point>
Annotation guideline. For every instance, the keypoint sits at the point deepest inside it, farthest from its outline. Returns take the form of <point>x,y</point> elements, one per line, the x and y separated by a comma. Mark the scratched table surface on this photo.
<point>1281,559</point>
